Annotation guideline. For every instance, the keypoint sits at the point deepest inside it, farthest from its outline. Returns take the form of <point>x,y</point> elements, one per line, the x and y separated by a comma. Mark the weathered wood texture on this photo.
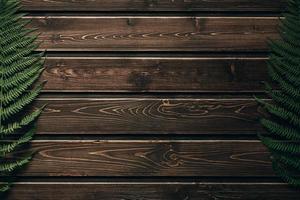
<point>157,74</point>
<point>154,5</point>
<point>153,63</point>
<point>153,191</point>
<point>134,33</point>
<point>149,116</point>
<point>146,158</point>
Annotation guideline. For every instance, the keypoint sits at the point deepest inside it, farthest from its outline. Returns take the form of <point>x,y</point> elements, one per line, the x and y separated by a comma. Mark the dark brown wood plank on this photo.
<point>172,158</point>
<point>152,191</point>
<point>141,33</point>
<point>148,116</point>
<point>154,5</point>
<point>154,74</point>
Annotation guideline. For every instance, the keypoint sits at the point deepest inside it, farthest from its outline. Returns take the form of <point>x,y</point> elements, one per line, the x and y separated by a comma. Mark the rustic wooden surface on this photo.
<point>145,115</point>
<point>146,158</point>
<point>152,100</point>
<point>155,74</point>
<point>154,33</point>
<point>155,5</point>
<point>153,191</point>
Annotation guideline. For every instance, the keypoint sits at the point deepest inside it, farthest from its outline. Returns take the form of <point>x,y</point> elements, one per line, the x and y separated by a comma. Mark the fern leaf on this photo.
<point>22,102</point>
<point>14,126</point>
<point>4,187</point>
<point>281,146</point>
<point>289,161</point>
<point>20,68</point>
<point>11,166</point>
<point>286,175</point>
<point>10,146</point>
<point>283,121</point>
<point>290,133</point>
<point>284,101</point>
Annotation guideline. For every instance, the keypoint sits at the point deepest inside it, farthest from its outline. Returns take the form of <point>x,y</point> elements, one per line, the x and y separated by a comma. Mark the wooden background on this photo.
<point>152,99</point>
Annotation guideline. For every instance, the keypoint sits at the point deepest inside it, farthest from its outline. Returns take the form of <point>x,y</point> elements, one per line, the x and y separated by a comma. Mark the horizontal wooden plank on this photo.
<point>148,116</point>
<point>152,191</point>
<point>179,158</point>
<point>154,74</point>
<point>141,33</point>
<point>150,5</point>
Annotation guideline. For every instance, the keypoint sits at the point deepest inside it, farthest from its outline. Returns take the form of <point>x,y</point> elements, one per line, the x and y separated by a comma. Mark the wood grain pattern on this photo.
<point>154,74</point>
<point>179,158</point>
<point>140,33</point>
<point>152,191</point>
<point>148,116</point>
<point>154,5</point>
<point>176,96</point>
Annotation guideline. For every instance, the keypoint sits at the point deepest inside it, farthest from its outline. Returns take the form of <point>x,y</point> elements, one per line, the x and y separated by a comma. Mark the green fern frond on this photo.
<point>285,174</point>
<point>284,74</point>
<point>285,67</point>
<point>284,100</point>
<point>17,91</point>
<point>282,113</point>
<point>283,121</point>
<point>22,77</point>
<point>20,65</point>
<point>20,69</point>
<point>287,87</point>
<point>292,162</point>
<point>4,187</point>
<point>22,102</point>
<point>11,128</point>
<point>10,146</point>
<point>281,145</point>
<point>288,132</point>
<point>22,52</point>
<point>12,166</point>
